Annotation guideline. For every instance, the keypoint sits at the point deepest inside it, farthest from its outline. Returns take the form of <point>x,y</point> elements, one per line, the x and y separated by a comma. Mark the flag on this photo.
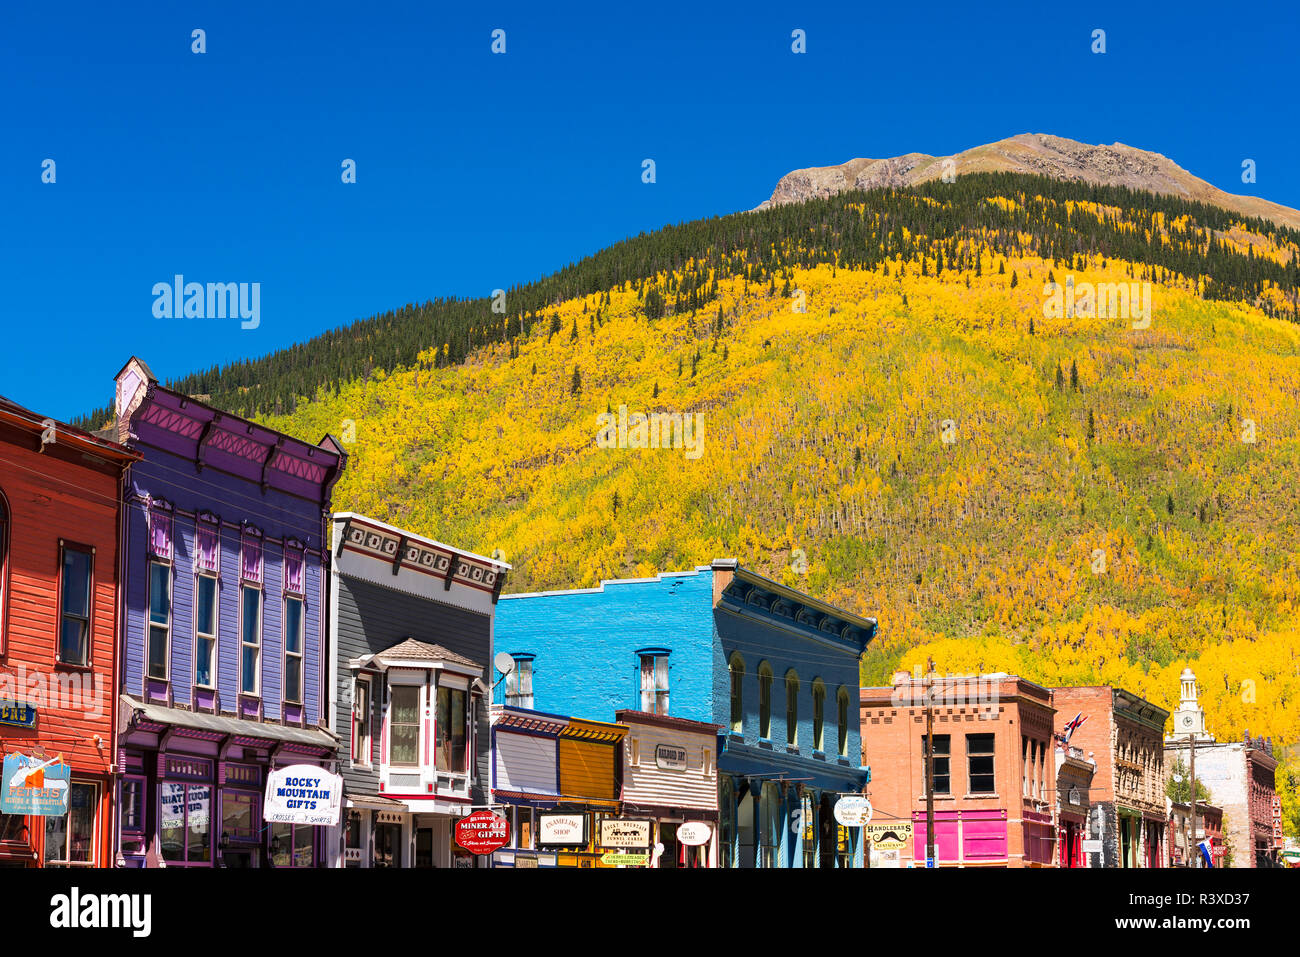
<point>1205,852</point>
<point>1073,726</point>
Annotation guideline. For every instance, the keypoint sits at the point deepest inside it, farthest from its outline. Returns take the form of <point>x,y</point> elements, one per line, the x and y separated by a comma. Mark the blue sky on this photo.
<point>477,171</point>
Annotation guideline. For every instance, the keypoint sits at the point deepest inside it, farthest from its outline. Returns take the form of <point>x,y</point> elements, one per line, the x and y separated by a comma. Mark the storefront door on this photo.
<point>424,847</point>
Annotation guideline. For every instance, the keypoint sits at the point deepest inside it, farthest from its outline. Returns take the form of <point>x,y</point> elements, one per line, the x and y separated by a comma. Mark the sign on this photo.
<point>1092,847</point>
<point>482,832</point>
<point>670,757</point>
<point>613,859</point>
<point>303,794</point>
<point>886,857</point>
<point>529,861</point>
<point>892,835</point>
<point>853,810</point>
<point>624,833</point>
<point>694,833</point>
<point>561,829</point>
<point>18,715</point>
<point>929,862</point>
<point>35,786</point>
<point>463,862</point>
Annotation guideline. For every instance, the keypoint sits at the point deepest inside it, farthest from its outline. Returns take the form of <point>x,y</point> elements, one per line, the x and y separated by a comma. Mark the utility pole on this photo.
<point>929,763</point>
<point>1191,739</point>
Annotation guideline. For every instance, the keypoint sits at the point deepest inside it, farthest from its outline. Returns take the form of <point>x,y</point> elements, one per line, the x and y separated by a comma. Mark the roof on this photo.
<point>24,417</point>
<point>242,727</point>
<point>414,650</point>
<point>627,716</point>
<point>413,537</point>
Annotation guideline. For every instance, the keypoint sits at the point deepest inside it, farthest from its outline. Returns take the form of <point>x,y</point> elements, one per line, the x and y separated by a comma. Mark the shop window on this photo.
<point>942,766</point>
<point>736,667</point>
<point>293,641</point>
<point>979,763</point>
<point>239,816</point>
<point>132,804</point>
<point>205,630</point>
<point>771,819</point>
<point>764,700</point>
<point>654,681</point>
<point>726,820</point>
<point>361,712</point>
<point>353,833</point>
<point>519,683</point>
<point>184,823</point>
<point>250,640</point>
<point>293,845</point>
<point>524,832</point>
<point>387,840</point>
<point>70,838</point>
<point>404,725</point>
<point>819,715</point>
<point>76,576</point>
<point>808,813</point>
<point>452,729</point>
<point>791,709</point>
<point>160,618</point>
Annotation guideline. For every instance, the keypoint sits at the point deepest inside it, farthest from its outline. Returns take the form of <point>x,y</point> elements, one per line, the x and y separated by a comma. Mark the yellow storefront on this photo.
<point>591,760</point>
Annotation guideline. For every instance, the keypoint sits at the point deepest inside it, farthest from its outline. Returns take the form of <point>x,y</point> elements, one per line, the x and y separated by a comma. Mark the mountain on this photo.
<point>899,415</point>
<point>1036,153</point>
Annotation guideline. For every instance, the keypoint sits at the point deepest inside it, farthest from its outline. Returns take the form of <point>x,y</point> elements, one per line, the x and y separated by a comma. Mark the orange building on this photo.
<point>59,612</point>
<point>994,767</point>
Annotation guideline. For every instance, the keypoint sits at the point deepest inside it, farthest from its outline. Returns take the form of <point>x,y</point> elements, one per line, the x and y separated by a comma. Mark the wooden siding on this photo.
<point>645,783</point>
<point>587,769</point>
<point>49,498</point>
<point>525,762</point>
<point>371,618</point>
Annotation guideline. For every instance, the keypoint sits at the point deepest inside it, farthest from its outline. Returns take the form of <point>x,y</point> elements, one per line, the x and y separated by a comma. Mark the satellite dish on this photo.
<point>504,663</point>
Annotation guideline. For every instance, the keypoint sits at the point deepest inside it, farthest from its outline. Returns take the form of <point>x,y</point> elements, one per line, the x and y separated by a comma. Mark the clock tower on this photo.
<point>1189,719</point>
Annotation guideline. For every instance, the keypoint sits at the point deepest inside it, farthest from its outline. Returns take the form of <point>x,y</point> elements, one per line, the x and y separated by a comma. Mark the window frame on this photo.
<point>764,701</point>
<point>65,861</point>
<point>363,757</point>
<point>819,715</point>
<point>659,683</point>
<point>419,688</point>
<point>200,636</point>
<point>842,721</point>
<point>518,697</point>
<point>65,546</point>
<point>736,671</point>
<point>156,562</point>
<point>300,654</point>
<point>791,709</point>
<point>187,860</point>
<point>279,826</point>
<point>991,756</point>
<point>244,588</point>
<point>6,520</point>
<point>937,756</point>
<point>439,726</point>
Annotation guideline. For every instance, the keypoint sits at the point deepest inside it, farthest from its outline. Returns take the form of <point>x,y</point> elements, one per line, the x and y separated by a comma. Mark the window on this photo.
<point>74,628</point>
<point>132,804</point>
<point>726,820</point>
<point>4,567</point>
<point>519,683</point>
<point>293,845</point>
<point>451,729</point>
<point>387,838</point>
<point>737,669</point>
<point>361,708</point>
<point>942,765</point>
<point>239,816</point>
<point>979,763</point>
<point>250,640</point>
<point>654,682</point>
<point>205,631</point>
<point>525,829</point>
<point>791,709</point>
<point>183,823</point>
<point>404,725</point>
<point>764,700</point>
<point>771,818</point>
<point>819,715</point>
<point>293,637</point>
<point>1026,765</point>
<point>160,617</point>
<point>70,838</point>
<point>842,701</point>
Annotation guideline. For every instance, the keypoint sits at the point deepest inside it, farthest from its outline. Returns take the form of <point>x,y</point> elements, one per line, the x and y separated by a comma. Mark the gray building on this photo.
<point>411,645</point>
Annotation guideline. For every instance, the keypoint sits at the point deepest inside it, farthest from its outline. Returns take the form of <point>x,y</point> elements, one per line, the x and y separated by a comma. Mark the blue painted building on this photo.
<point>776,668</point>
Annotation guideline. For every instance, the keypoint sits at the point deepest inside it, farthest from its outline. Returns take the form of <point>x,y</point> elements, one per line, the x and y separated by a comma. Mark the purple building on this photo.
<point>224,648</point>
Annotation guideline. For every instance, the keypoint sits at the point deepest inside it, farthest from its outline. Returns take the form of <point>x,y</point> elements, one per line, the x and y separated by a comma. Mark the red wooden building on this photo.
<point>60,490</point>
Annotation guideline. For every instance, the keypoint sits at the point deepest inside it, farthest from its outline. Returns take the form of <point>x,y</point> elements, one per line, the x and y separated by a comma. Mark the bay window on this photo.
<point>404,725</point>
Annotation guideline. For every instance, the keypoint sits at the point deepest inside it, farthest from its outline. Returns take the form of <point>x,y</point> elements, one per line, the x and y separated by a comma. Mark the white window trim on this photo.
<point>368,751</point>
<point>403,679</point>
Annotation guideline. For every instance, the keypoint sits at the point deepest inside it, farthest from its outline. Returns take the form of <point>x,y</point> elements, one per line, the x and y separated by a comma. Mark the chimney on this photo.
<point>724,570</point>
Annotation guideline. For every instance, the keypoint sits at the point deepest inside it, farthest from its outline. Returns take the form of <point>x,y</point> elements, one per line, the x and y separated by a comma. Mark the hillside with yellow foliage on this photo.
<point>1004,485</point>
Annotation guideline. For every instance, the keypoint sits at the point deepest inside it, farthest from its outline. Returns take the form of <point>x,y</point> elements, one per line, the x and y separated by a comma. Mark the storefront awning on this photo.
<point>220,724</point>
<point>374,802</point>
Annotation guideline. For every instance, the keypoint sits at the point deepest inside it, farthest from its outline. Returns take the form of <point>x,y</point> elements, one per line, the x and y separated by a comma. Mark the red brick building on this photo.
<point>1124,734</point>
<point>994,767</point>
<point>59,604</point>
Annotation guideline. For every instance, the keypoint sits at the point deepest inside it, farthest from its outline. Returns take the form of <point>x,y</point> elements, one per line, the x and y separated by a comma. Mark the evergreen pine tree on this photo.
<point>575,386</point>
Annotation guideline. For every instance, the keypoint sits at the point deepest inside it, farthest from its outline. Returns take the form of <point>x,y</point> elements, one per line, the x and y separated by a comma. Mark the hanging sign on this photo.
<point>302,794</point>
<point>624,833</point>
<point>694,833</point>
<point>561,829</point>
<point>891,835</point>
<point>853,810</point>
<point>483,832</point>
<point>18,715</point>
<point>35,786</point>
